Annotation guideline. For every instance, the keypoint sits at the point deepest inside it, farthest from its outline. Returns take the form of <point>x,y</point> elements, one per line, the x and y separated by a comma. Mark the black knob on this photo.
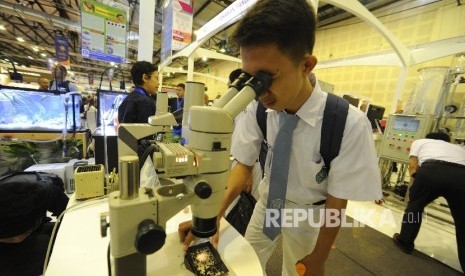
<point>203,190</point>
<point>103,225</point>
<point>150,237</point>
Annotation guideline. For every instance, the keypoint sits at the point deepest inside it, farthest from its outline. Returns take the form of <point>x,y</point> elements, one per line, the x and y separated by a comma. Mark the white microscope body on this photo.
<point>138,215</point>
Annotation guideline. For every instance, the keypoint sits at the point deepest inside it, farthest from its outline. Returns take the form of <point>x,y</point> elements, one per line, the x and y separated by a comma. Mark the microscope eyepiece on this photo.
<point>260,82</point>
<point>241,80</point>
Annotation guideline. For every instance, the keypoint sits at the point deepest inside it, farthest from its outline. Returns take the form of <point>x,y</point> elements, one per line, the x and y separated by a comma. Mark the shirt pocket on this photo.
<point>314,176</point>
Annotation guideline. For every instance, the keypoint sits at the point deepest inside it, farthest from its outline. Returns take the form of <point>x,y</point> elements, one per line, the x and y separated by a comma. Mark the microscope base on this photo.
<point>133,264</point>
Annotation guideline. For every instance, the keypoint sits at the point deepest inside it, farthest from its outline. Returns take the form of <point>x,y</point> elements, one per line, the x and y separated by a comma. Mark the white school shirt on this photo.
<point>354,174</point>
<point>425,149</point>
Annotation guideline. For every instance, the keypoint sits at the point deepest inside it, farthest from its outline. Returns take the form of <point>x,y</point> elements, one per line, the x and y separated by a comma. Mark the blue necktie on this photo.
<point>279,172</point>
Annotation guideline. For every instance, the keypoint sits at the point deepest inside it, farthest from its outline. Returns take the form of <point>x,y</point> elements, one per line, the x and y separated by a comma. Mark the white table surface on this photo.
<point>80,250</point>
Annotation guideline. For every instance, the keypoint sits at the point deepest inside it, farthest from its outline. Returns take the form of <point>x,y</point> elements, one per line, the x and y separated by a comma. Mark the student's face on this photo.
<point>290,87</point>
<point>180,92</point>
<point>151,82</point>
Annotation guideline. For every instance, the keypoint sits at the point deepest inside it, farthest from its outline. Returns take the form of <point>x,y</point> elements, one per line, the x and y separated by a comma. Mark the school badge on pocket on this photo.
<point>321,175</point>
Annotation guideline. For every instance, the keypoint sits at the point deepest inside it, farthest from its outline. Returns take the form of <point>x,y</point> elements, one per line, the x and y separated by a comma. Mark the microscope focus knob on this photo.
<point>203,190</point>
<point>150,237</point>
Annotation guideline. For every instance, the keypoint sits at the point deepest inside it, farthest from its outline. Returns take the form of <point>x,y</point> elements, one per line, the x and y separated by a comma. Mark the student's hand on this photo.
<point>185,235</point>
<point>314,266</point>
<point>248,185</point>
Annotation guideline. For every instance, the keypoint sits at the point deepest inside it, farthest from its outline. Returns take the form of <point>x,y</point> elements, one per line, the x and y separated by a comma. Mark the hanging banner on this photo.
<point>176,26</point>
<point>62,51</point>
<point>103,32</point>
<point>166,31</point>
<point>182,23</point>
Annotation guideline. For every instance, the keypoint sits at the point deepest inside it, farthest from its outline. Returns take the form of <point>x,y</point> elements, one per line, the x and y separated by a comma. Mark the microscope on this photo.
<point>138,216</point>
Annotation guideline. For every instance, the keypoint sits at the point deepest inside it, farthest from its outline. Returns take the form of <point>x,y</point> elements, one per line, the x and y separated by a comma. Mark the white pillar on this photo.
<point>146,29</point>
<point>190,68</point>
<point>399,88</point>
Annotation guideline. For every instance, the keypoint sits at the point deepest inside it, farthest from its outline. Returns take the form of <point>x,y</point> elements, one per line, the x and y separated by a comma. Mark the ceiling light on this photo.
<point>204,58</point>
<point>112,63</point>
<point>43,54</point>
<point>223,50</point>
<point>29,57</point>
<point>29,73</point>
<point>133,35</point>
<point>35,48</point>
<point>20,39</point>
<point>2,27</point>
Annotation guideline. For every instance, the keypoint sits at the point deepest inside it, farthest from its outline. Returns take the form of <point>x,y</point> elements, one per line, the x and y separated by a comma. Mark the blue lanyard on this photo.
<point>140,91</point>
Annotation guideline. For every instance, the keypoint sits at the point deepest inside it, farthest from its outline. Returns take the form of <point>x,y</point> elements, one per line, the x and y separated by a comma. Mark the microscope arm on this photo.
<point>129,134</point>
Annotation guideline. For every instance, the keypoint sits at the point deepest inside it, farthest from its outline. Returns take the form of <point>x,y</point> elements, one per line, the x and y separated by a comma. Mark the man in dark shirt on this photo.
<point>139,105</point>
<point>180,88</point>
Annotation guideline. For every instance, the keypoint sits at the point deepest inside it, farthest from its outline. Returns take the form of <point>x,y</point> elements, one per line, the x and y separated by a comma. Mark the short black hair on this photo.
<point>181,85</point>
<point>234,75</point>
<point>289,24</point>
<point>438,136</point>
<point>139,69</point>
<point>22,207</point>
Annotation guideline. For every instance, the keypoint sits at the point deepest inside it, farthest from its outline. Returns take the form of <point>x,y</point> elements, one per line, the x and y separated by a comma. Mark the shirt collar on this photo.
<point>140,90</point>
<point>310,110</point>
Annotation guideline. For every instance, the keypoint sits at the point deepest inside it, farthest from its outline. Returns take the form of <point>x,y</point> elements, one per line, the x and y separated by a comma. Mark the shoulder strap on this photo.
<point>261,121</point>
<point>332,129</point>
<point>261,118</point>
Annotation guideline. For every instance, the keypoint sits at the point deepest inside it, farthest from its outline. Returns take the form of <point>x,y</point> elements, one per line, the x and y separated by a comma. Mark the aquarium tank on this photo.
<point>108,104</point>
<point>31,110</point>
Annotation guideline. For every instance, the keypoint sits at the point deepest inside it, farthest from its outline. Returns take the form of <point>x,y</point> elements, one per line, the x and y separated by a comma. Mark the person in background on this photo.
<point>205,99</point>
<point>180,89</point>
<point>437,168</point>
<point>138,106</point>
<point>59,72</point>
<point>25,230</point>
<point>277,37</point>
<point>83,106</point>
<point>43,83</point>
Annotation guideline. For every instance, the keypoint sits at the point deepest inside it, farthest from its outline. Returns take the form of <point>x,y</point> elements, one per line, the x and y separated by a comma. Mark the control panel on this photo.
<point>399,134</point>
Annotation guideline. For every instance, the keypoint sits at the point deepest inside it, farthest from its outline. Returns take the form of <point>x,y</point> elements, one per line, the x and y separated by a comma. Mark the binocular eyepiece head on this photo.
<point>259,83</point>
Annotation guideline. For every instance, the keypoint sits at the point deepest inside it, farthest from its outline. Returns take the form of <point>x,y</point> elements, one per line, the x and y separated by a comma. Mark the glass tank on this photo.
<point>108,104</point>
<point>30,110</point>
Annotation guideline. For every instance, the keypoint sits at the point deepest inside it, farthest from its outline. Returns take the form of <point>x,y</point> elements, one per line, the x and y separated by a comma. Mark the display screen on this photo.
<point>406,124</point>
<point>23,109</point>
<point>108,104</point>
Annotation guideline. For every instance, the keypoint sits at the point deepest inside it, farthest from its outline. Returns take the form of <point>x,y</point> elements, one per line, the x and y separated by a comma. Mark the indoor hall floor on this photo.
<point>436,237</point>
